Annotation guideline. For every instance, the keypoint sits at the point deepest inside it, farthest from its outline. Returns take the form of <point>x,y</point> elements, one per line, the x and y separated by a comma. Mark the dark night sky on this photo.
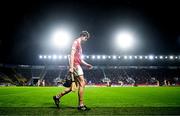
<point>25,25</point>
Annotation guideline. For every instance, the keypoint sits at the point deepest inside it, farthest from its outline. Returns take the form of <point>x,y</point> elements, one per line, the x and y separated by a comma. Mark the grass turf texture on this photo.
<point>102,101</point>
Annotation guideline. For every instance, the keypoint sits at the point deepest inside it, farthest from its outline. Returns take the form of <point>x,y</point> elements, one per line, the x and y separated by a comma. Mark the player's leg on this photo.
<point>58,96</point>
<point>80,79</point>
<point>81,90</point>
<point>66,91</point>
<point>82,84</point>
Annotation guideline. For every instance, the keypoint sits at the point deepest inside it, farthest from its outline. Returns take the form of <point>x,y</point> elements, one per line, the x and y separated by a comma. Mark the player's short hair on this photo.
<point>85,34</point>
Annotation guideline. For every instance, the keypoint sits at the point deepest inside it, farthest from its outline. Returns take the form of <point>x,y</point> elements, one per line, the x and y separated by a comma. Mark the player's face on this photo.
<point>84,38</point>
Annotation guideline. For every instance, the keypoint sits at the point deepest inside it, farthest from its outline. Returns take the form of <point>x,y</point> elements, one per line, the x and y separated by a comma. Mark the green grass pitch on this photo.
<point>101,100</point>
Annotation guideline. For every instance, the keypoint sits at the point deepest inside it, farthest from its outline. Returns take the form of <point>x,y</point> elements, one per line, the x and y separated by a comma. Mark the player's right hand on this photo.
<point>90,66</point>
<point>71,70</point>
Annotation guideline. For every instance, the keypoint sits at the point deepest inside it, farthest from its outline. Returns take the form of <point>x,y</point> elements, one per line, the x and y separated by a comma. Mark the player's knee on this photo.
<point>82,83</point>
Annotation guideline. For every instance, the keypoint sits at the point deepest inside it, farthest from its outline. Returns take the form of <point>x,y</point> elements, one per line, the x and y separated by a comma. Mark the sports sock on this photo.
<point>57,96</point>
<point>81,105</point>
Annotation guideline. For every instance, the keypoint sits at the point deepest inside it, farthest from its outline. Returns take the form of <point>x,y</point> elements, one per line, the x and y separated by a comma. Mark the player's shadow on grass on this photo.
<point>53,106</point>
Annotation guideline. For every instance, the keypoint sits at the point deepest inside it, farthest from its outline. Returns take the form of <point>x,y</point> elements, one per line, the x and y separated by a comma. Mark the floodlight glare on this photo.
<point>140,57</point>
<point>135,57</point>
<point>40,57</point>
<point>125,57</point>
<point>146,57</point>
<point>114,57</point>
<point>125,40</point>
<point>161,57</point>
<point>130,57</point>
<point>54,57</point>
<point>87,57</point>
<point>65,57</point>
<point>171,57</point>
<point>49,57</point>
<point>60,57</point>
<point>93,57</point>
<point>151,57</point>
<point>98,57</point>
<point>61,38</point>
<point>104,57</point>
<point>45,56</point>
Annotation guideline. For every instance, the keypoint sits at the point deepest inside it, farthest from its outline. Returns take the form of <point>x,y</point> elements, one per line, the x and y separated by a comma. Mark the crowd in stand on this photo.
<point>114,76</point>
<point>136,76</point>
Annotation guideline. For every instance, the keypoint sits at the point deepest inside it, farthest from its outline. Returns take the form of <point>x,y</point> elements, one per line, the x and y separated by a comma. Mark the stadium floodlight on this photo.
<point>140,57</point>
<point>93,57</point>
<point>135,57</point>
<point>60,57</point>
<point>171,57</point>
<point>130,57</point>
<point>87,57</point>
<point>156,57</point>
<point>65,57</point>
<point>125,40</point>
<point>109,57</point>
<point>98,57</point>
<point>40,57</point>
<point>161,57</point>
<point>61,38</point>
<point>119,57</point>
<point>146,57</point>
<point>151,57</point>
<point>114,57</point>
<point>103,57</point>
<point>166,57</point>
<point>54,57</point>
<point>125,57</point>
<point>176,57</point>
<point>44,56</point>
<point>49,57</point>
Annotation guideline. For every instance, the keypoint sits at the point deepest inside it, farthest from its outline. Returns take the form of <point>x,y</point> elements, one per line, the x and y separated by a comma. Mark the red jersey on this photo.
<point>77,56</point>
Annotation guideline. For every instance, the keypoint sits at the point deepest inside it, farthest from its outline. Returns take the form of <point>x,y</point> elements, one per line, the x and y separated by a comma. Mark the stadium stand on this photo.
<point>115,75</point>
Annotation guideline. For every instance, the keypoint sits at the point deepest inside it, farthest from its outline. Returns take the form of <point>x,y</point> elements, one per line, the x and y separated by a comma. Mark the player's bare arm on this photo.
<point>86,64</point>
<point>71,69</point>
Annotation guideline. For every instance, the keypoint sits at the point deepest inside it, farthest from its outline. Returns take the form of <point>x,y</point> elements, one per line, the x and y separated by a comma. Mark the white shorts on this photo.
<point>78,71</point>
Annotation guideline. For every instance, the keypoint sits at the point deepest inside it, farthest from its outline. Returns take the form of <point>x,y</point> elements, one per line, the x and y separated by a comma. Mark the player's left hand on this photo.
<point>89,66</point>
